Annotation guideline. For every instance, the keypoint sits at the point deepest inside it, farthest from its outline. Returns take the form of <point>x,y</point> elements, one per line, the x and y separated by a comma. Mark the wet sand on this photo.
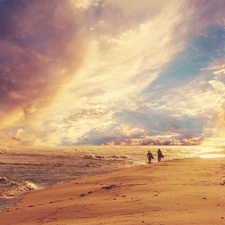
<point>187,191</point>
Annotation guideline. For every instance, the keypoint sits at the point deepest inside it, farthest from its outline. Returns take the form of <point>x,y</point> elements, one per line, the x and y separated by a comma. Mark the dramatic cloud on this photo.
<point>111,71</point>
<point>41,48</point>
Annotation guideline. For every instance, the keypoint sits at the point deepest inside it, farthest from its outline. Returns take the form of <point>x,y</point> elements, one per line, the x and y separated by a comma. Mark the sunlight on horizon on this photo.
<point>210,152</point>
<point>217,142</point>
<point>212,156</point>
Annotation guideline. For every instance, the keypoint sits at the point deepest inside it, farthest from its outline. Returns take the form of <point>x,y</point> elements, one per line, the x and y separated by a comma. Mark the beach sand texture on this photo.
<point>187,191</point>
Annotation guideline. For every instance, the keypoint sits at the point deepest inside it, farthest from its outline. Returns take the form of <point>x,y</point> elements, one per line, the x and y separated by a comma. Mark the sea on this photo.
<point>27,169</point>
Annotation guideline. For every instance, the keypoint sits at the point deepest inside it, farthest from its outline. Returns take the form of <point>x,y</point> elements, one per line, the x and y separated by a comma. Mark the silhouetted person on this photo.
<point>149,157</point>
<point>160,155</point>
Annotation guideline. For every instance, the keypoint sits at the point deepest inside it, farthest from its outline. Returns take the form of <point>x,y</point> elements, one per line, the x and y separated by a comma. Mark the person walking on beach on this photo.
<point>160,155</point>
<point>149,157</point>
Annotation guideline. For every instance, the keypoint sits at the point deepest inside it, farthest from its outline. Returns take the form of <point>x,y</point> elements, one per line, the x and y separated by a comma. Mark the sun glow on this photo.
<point>212,156</point>
<point>210,152</point>
<point>214,142</point>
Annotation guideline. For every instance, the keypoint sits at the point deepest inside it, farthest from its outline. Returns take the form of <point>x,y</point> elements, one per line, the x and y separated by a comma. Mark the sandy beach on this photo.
<point>187,191</point>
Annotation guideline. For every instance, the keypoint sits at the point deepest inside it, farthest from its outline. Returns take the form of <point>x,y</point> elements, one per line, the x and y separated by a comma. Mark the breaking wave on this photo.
<point>12,190</point>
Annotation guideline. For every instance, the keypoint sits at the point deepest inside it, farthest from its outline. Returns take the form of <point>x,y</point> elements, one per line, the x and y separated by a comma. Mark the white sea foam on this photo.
<point>11,188</point>
<point>11,191</point>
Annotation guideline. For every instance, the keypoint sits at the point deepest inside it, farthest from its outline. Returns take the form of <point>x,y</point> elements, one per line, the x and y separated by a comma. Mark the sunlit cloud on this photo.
<point>111,72</point>
<point>82,4</point>
<point>36,44</point>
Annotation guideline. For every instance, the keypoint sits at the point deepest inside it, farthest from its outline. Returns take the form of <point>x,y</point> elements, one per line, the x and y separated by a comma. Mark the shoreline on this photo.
<point>18,198</point>
<point>180,191</point>
<point>14,201</point>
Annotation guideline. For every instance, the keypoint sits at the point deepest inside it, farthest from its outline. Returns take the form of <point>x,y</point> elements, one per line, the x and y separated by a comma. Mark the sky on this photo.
<point>112,72</point>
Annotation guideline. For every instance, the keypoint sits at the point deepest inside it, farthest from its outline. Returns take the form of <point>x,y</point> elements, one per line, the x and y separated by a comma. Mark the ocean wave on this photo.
<point>12,189</point>
<point>91,156</point>
<point>3,150</point>
<point>119,156</point>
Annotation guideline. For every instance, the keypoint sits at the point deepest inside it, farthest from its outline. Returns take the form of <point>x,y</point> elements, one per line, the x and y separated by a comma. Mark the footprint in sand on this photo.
<point>55,201</point>
<point>82,195</point>
<point>109,187</point>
